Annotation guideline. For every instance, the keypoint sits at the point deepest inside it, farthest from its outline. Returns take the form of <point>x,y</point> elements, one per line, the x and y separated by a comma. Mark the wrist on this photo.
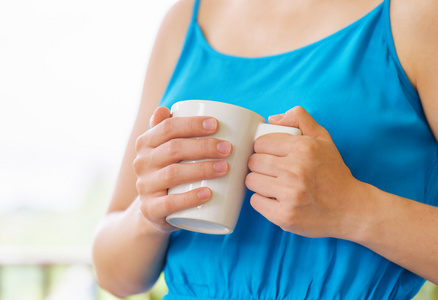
<point>143,227</point>
<point>375,214</point>
<point>364,214</point>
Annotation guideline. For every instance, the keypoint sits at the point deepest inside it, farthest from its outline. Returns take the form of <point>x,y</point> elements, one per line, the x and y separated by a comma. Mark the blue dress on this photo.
<point>352,83</point>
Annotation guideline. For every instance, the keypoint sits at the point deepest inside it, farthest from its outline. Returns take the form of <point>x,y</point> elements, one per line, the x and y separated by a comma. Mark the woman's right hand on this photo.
<point>157,164</point>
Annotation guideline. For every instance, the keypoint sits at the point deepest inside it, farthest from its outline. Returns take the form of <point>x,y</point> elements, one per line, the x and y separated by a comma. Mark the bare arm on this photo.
<point>128,252</point>
<point>415,30</point>
<point>130,246</point>
<point>412,240</point>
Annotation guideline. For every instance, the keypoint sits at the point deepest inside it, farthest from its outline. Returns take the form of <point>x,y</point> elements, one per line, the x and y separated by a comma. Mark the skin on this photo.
<point>311,193</point>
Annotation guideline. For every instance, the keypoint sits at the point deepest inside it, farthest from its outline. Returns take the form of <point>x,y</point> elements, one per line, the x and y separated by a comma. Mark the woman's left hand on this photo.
<point>301,182</point>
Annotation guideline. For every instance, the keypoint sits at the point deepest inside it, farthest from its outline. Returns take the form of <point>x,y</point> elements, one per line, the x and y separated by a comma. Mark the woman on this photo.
<point>345,211</point>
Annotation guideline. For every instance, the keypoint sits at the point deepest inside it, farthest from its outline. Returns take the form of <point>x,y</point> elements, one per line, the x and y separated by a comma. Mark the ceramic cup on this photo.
<point>241,127</point>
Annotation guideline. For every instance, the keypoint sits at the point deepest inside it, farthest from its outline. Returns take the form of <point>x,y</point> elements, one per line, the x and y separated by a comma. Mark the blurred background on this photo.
<point>71,75</point>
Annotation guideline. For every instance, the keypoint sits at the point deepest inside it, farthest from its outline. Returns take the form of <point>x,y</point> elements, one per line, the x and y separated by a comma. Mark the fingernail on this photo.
<point>220,166</point>
<point>224,147</point>
<point>276,117</point>
<point>204,194</point>
<point>209,124</point>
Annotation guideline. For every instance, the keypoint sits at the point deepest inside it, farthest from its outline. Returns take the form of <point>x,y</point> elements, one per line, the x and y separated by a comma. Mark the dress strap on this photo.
<point>195,10</point>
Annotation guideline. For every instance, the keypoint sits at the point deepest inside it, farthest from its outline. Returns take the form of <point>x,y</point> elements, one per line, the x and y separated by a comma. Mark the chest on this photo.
<point>258,28</point>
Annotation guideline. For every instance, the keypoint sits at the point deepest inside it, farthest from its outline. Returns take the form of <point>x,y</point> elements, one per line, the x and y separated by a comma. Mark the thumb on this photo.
<point>160,114</point>
<point>298,117</point>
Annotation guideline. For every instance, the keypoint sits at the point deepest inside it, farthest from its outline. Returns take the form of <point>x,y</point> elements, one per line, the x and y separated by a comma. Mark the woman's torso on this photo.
<point>352,83</point>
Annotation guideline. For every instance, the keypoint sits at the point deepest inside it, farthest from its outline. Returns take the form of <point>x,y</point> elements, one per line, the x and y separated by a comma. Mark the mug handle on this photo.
<point>264,128</point>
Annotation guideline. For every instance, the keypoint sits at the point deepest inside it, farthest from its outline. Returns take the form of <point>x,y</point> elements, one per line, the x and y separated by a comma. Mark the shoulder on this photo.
<point>172,31</point>
<point>415,30</point>
<point>167,49</point>
<point>176,21</point>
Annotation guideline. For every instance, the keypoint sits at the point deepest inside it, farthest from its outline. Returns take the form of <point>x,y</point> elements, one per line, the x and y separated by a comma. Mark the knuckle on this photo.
<point>145,209</point>
<point>300,193</point>
<point>193,124</point>
<point>307,147</point>
<point>297,110</point>
<point>170,172</point>
<point>139,143</point>
<point>300,171</point>
<point>178,202</point>
<point>303,146</point>
<point>166,127</point>
<point>172,147</point>
<point>140,186</point>
<point>137,164</point>
<point>143,140</point>
<point>312,145</point>
<point>187,200</point>
<point>205,145</point>
<point>166,204</point>
<point>151,211</point>
<point>203,170</point>
<point>286,218</point>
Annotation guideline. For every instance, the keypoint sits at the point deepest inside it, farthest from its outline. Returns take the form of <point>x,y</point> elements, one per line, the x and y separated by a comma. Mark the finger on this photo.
<point>179,127</point>
<point>161,207</point>
<point>261,184</point>
<point>298,117</point>
<point>177,150</point>
<point>265,164</point>
<point>278,144</point>
<point>161,113</point>
<point>267,207</point>
<point>179,173</point>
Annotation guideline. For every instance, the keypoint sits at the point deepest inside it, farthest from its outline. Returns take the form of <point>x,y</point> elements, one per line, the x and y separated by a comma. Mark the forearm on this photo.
<point>128,252</point>
<point>401,230</point>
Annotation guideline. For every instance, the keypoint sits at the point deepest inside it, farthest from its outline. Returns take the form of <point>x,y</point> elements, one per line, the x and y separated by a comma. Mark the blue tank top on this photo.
<point>352,83</point>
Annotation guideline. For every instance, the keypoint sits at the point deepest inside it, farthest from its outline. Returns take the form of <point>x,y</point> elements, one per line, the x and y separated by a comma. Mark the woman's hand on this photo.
<point>157,165</point>
<point>301,182</point>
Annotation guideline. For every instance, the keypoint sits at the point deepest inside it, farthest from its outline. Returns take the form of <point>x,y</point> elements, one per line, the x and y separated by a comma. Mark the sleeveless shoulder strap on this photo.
<point>195,10</point>
<point>414,98</point>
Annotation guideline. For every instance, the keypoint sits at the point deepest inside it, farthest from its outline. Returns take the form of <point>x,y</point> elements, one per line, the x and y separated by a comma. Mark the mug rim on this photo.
<point>234,106</point>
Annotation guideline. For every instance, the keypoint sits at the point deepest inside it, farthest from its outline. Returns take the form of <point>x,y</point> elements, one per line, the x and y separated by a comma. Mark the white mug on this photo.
<point>241,127</point>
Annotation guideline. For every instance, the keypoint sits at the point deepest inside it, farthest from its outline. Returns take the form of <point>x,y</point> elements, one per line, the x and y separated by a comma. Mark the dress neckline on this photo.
<point>335,34</point>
